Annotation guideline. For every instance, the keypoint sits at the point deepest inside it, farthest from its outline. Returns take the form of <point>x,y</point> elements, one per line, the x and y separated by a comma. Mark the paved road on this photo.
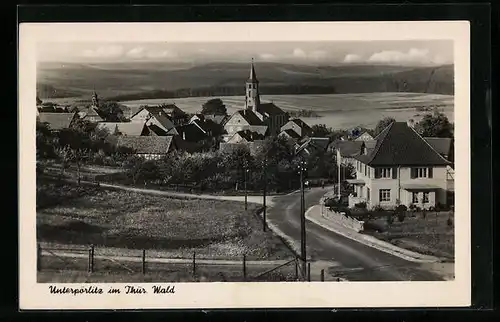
<point>359,262</point>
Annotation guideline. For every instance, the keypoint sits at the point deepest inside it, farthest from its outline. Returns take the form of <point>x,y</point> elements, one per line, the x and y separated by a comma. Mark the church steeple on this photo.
<point>95,99</point>
<point>252,97</point>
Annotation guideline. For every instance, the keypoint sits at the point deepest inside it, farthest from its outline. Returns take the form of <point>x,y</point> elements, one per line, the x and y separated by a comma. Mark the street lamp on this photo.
<point>245,170</point>
<point>264,168</point>
<point>302,167</point>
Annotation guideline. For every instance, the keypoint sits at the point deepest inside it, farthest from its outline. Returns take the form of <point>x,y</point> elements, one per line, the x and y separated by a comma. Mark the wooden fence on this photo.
<point>93,260</point>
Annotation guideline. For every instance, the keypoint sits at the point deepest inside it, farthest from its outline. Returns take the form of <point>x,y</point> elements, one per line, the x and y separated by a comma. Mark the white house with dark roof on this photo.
<point>400,167</point>
<point>156,119</point>
<point>298,126</point>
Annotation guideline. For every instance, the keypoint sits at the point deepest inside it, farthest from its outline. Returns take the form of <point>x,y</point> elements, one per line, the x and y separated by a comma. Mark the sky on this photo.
<point>414,52</point>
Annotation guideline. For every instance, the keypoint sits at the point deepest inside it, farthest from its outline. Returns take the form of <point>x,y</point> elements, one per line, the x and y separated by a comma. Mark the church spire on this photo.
<point>253,76</point>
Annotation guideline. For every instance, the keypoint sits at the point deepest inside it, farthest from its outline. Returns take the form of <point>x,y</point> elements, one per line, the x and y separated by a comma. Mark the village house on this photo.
<point>255,112</point>
<point>148,147</point>
<point>253,141</point>
<point>176,115</point>
<point>308,145</point>
<point>346,150</point>
<point>91,113</point>
<point>124,128</point>
<point>298,126</point>
<point>193,132</point>
<point>400,167</point>
<point>244,120</point>
<point>57,121</point>
<point>156,120</point>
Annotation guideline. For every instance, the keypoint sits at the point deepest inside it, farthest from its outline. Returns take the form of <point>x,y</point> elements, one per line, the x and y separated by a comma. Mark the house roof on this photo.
<point>173,110</point>
<point>269,109</point>
<point>365,134</point>
<point>348,148</point>
<point>399,144</point>
<point>91,111</point>
<point>125,128</point>
<point>146,144</point>
<point>160,115</point>
<point>191,131</point>
<point>303,125</point>
<point>250,117</point>
<point>250,136</point>
<point>291,133</point>
<point>260,129</point>
<point>441,145</point>
<point>156,130</point>
<point>57,121</point>
<point>219,119</point>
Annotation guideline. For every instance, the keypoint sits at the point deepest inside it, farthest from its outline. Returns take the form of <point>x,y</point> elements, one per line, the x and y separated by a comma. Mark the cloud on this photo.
<point>414,55</point>
<point>107,51</point>
<point>352,58</point>
<point>267,56</point>
<point>161,54</point>
<point>312,55</point>
<point>137,52</point>
<point>299,53</point>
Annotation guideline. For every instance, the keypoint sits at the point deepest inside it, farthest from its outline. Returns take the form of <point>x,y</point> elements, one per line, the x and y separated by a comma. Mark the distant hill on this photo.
<point>157,80</point>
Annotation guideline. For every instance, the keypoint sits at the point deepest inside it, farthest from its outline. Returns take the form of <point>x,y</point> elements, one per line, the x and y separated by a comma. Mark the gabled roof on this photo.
<point>250,136</point>
<point>348,148</point>
<point>125,128</point>
<point>146,144</point>
<point>399,144</point>
<point>160,115</point>
<point>364,136</point>
<point>269,109</point>
<point>173,110</point>
<point>91,111</point>
<point>57,121</point>
<point>303,125</point>
<point>191,132</point>
<point>441,145</point>
<point>260,129</point>
<point>291,133</point>
<point>250,117</point>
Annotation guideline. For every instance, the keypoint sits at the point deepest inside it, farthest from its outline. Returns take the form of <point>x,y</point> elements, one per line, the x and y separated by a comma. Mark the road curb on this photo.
<point>377,243</point>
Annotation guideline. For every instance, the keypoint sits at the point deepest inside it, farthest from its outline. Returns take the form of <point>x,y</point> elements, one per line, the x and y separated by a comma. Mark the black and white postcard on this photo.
<point>241,165</point>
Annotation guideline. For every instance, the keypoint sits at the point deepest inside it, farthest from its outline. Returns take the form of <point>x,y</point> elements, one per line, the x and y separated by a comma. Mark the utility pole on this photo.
<point>245,170</point>
<point>264,196</point>
<point>302,168</point>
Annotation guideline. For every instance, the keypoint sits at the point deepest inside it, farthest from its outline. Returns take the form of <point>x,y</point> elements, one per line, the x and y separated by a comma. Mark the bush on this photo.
<point>378,208</point>
<point>401,208</point>
<point>401,216</point>
<point>389,219</point>
<point>361,205</point>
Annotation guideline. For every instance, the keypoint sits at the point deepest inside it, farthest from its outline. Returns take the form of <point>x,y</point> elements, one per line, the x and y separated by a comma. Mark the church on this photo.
<point>262,118</point>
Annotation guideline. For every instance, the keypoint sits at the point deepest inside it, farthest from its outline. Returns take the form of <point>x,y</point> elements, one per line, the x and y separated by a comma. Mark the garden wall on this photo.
<point>341,218</point>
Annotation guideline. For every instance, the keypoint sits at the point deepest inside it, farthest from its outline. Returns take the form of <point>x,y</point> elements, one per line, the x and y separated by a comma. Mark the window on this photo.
<point>426,197</point>
<point>249,86</point>
<point>385,195</point>
<point>414,197</point>
<point>422,173</point>
<point>382,172</point>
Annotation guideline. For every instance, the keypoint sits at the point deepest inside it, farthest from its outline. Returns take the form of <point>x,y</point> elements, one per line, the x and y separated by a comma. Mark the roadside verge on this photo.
<point>313,214</point>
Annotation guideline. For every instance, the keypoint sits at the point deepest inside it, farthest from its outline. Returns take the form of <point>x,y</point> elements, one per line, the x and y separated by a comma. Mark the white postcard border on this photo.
<point>33,295</point>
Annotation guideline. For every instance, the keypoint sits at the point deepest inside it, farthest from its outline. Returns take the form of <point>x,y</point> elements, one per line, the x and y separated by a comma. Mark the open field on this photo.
<point>212,228</point>
<point>430,235</point>
<point>335,110</point>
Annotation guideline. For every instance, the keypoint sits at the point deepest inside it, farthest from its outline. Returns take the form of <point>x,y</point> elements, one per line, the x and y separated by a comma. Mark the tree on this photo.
<point>320,130</point>
<point>214,106</point>
<point>45,141</point>
<point>382,124</point>
<point>38,101</point>
<point>111,111</point>
<point>435,125</point>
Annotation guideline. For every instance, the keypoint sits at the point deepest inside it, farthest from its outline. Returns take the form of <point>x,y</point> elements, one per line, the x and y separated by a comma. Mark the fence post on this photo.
<point>323,275</point>
<point>143,261</point>
<point>194,264</point>
<point>244,267</point>
<point>308,272</point>
<point>92,258</point>
<point>39,257</point>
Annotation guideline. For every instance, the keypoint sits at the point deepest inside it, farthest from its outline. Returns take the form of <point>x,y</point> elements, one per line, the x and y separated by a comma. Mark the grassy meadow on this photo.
<point>129,220</point>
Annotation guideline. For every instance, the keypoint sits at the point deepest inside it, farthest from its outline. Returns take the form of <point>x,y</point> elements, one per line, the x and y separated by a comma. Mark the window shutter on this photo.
<point>430,172</point>
<point>412,173</point>
<point>394,173</point>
